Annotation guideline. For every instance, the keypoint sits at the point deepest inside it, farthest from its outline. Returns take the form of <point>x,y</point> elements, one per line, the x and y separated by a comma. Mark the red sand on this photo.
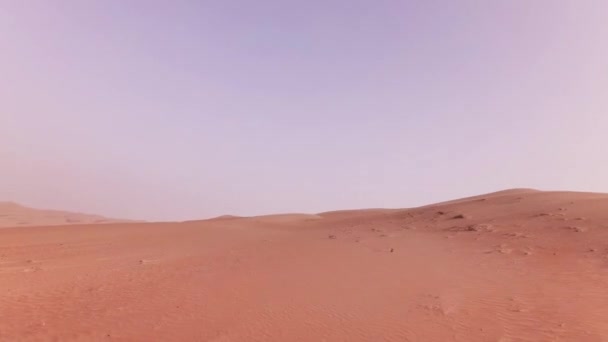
<point>519,265</point>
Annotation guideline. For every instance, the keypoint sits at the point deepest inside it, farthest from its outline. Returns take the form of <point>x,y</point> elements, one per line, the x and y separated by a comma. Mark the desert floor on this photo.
<point>518,265</point>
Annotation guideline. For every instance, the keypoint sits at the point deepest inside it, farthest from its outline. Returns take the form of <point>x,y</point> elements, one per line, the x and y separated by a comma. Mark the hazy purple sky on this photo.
<point>190,109</point>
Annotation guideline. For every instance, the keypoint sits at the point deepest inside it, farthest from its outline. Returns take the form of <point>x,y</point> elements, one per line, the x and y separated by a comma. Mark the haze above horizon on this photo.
<point>192,109</point>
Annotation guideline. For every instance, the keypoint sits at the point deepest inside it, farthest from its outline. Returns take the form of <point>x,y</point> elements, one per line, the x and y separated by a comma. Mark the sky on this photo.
<point>174,110</point>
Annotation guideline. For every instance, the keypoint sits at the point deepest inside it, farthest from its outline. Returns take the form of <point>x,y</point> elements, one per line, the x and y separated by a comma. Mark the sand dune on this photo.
<point>518,265</point>
<point>16,215</point>
<point>279,218</point>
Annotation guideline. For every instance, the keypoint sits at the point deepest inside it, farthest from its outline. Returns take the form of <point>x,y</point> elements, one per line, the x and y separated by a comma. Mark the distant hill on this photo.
<point>16,215</point>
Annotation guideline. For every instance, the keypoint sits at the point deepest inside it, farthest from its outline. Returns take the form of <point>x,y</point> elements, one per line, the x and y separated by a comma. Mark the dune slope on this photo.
<point>16,215</point>
<point>508,266</point>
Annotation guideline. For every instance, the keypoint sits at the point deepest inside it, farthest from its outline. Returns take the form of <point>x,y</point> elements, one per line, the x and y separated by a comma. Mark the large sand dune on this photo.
<point>16,215</point>
<point>519,265</point>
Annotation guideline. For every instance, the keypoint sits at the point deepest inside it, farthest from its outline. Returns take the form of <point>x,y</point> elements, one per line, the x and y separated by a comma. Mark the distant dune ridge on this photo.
<point>516,265</point>
<point>16,215</point>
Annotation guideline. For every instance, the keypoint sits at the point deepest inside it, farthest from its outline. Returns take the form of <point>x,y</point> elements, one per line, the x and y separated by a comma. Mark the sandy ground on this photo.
<point>518,265</point>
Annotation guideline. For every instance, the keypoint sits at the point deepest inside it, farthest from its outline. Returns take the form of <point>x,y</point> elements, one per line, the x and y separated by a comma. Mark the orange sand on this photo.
<point>519,265</point>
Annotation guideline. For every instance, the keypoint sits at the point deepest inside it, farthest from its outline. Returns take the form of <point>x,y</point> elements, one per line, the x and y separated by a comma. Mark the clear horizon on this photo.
<point>191,109</point>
